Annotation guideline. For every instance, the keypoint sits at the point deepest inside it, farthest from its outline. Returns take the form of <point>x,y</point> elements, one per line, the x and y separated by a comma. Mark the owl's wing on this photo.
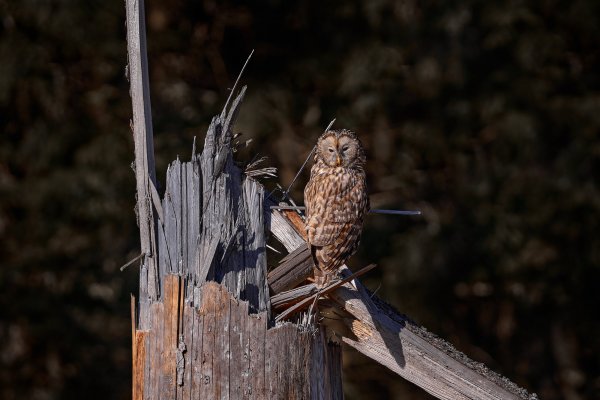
<point>333,208</point>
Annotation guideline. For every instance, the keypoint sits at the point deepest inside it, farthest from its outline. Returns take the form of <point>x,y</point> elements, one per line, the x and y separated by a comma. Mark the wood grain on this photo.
<point>212,293</point>
<point>256,386</point>
<point>139,362</point>
<point>292,270</point>
<point>235,356</point>
<point>144,145</point>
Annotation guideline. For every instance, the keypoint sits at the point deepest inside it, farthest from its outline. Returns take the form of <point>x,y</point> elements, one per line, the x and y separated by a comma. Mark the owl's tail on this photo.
<point>326,267</point>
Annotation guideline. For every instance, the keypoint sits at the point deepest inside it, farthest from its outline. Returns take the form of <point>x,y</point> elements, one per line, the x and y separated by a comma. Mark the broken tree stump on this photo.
<point>201,327</point>
<point>229,353</point>
<point>209,333</point>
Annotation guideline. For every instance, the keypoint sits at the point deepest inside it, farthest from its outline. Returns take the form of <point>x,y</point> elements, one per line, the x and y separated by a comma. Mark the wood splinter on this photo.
<point>303,304</point>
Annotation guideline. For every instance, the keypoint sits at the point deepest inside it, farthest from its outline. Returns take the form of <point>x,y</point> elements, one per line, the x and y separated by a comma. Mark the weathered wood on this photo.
<point>305,303</point>
<point>208,388</point>
<point>289,374</point>
<point>283,300</point>
<point>197,382</point>
<point>213,219</point>
<point>190,339</point>
<point>139,359</point>
<point>212,226</point>
<point>193,338</point>
<point>292,270</point>
<point>256,383</point>
<point>170,311</point>
<point>144,147</point>
<point>328,385</point>
<point>407,349</point>
<point>235,356</point>
<point>155,350</point>
<point>392,344</point>
<point>238,337</point>
<point>254,288</point>
<point>184,337</point>
<point>279,225</point>
<point>170,249</point>
<point>193,220</point>
<point>221,360</point>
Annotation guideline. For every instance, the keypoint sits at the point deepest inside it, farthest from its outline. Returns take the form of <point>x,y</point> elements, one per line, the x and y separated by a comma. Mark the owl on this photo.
<point>336,201</point>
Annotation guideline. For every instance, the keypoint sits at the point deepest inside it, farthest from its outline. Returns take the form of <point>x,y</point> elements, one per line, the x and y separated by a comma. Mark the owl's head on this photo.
<point>340,148</point>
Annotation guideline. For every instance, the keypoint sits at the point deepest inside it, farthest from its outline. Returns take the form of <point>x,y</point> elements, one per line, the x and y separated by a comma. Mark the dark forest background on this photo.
<point>483,114</point>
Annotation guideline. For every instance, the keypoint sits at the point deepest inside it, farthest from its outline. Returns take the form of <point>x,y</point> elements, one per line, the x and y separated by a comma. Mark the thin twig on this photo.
<point>273,249</point>
<point>194,148</point>
<point>132,261</point>
<point>310,309</point>
<point>376,290</point>
<point>285,194</point>
<point>237,80</point>
<point>372,211</point>
<point>395,212</point>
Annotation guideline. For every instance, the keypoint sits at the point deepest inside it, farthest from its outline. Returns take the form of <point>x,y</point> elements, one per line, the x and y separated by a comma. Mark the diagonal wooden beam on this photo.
<point>292,270</point>
<point>417,356</point>
<point>392,339</point>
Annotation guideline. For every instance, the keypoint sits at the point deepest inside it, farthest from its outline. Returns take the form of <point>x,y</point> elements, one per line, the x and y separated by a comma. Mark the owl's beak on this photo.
<point>338,161</point>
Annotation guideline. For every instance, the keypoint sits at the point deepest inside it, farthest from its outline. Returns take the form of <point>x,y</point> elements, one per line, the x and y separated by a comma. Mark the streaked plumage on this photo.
<point>336,201</point>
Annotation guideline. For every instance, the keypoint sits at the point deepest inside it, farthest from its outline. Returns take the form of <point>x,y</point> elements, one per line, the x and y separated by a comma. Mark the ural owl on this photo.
<point>336,201</point>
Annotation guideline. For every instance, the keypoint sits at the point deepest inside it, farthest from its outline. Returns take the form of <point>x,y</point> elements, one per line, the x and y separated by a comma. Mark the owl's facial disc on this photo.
<point>329,151</point>
<point>340,149</point>
<point>346,150</point>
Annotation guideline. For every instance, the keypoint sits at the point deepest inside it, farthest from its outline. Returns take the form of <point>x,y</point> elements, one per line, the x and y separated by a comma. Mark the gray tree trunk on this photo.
<point>208,332</point>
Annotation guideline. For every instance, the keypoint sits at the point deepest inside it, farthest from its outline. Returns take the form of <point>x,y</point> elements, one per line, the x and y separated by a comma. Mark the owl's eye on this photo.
<point>345,148</point>
<point>331,149</point>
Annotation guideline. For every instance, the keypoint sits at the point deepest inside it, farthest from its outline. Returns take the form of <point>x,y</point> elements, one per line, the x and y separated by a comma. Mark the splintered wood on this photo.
<point>139,358</point>
<point>193,339</point>
<point>202,327</point>
<point>233,354</point>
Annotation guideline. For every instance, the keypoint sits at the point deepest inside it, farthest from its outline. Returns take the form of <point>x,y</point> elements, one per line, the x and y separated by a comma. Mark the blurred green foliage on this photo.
<point>483,114</point>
